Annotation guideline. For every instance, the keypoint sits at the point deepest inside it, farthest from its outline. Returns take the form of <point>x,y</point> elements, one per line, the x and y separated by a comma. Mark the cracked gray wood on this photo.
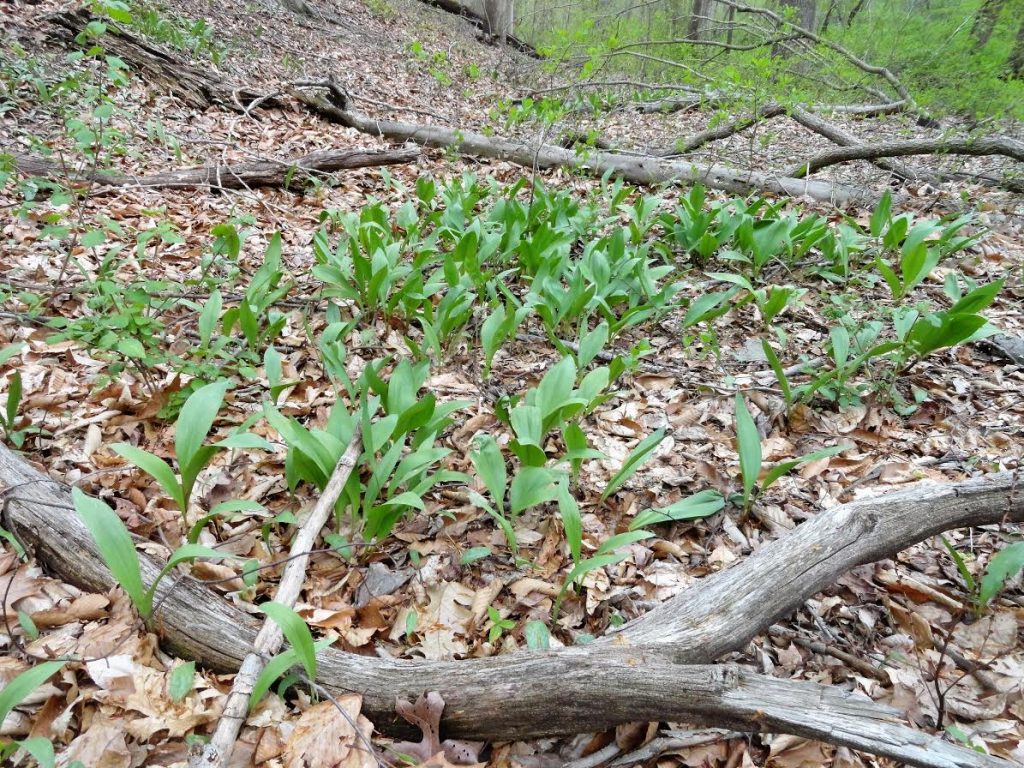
<point>654,670</point>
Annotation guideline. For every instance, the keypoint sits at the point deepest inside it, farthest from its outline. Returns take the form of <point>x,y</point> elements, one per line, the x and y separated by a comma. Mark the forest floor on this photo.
<point>910,618</point>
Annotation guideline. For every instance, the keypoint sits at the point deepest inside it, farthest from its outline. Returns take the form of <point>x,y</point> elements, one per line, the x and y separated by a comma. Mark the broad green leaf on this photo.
<point>208,318</point>
<point>785,466</point>
<point>41,748</point>
<point>591,344</point>
<point>15,692</point>
<point>1006,563</point>
<point>621,540</point>
<point>840,345</point>
<point>527,423</point>
<point>748,443</point>
<point>490,466</point>
<point>778,370</point>
<point>194,423</point>
<point>11,350</point>
<point>933,332</point>
<point>636,457</point>
<point>182,680</point>
<point>555,389</point>
<point>531,486</point>
<point>978,299</point>
<point>538,638</point>
<point>156,468</point>
<point>473,554</point>
<point>13,399</point>
<point>274,669</point>
<point>699,505</point>
<point>115,546</point>
<point>297,632</point>
<point>880,216</point>
<point>572,523</point>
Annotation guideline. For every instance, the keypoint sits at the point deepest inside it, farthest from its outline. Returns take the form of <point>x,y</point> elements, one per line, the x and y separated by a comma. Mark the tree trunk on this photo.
<point>499,15</point>
<point>697,24</point>
<point>986,19</point>
<point>641,674</point>
<point>1015,64</point>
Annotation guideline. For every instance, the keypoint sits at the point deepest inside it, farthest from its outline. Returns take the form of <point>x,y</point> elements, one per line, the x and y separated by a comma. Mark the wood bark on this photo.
<point>258,173</point>
<point>480,22</point>
<point>643,169</point>
<point>641,673</point>
<point>984,146</point>
<point>499,17</point>
<point>196,88</point>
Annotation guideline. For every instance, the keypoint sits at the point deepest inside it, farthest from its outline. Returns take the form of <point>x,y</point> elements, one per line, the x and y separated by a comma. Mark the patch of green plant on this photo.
<point>192,455</point>
<point>13,693</point>
<point>117,549</point>
<point>399,430</point>
<point>1004,565</point>
<point>748,443</point>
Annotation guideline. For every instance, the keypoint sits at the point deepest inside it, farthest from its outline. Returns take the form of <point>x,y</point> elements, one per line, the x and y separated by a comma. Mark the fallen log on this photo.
<point>196,88</point>
<point>259,173</point>
<point>637,169</point>
<point>636,675</point>
<point>978,147</point>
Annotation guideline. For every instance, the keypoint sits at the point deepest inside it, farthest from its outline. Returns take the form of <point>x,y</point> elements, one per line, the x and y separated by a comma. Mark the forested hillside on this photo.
<point>536,383</point>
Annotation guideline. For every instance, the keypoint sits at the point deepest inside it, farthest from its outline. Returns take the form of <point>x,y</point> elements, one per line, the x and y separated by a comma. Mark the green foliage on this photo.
<point>118,551</point>
<point>748,443</point>
<point>398,447</point>
<point>12,694</point>
<point>1004,565</point>
<point>191,452</point>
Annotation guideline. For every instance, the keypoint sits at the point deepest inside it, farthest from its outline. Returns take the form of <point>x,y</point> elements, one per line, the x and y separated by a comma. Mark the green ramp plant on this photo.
<point>118,551</point>
<point>192,454</point>
<point>748,443</point>
<point>12,694</point>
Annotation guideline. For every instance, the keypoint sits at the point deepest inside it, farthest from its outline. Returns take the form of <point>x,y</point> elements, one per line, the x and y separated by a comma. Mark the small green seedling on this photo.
<point>118,551</point>
<point>749,444</point>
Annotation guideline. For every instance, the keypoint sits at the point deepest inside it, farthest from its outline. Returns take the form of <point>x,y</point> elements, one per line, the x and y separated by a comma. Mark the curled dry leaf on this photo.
<point>425,714</point>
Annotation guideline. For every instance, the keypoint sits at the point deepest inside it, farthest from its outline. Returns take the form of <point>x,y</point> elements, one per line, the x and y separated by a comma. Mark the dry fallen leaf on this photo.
<point>329,736</point>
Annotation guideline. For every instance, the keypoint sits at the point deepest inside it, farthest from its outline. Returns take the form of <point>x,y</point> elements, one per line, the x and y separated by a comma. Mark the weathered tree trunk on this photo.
<point>985,20</point>
<point>296,172</point>
<point>698,20</point>
<point>644,170</point>
<point>643,673</point>
<point>500,18</point>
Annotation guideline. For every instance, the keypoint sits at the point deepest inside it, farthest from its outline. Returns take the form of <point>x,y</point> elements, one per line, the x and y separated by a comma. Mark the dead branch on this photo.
<point>643,170</point>
<point>731,128</point>
<point>838,136</point>
<point>641,674</point>
<point>983,146</point>
<point>261,173</point>
<point>217,752</point>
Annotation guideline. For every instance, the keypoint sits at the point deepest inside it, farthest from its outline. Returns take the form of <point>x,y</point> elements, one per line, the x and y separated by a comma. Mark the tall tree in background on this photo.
<point>698,19</point>
<point>985,20</point>
<point>1015,63</point>
<point>499,15</point>
<point>806,11</point>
